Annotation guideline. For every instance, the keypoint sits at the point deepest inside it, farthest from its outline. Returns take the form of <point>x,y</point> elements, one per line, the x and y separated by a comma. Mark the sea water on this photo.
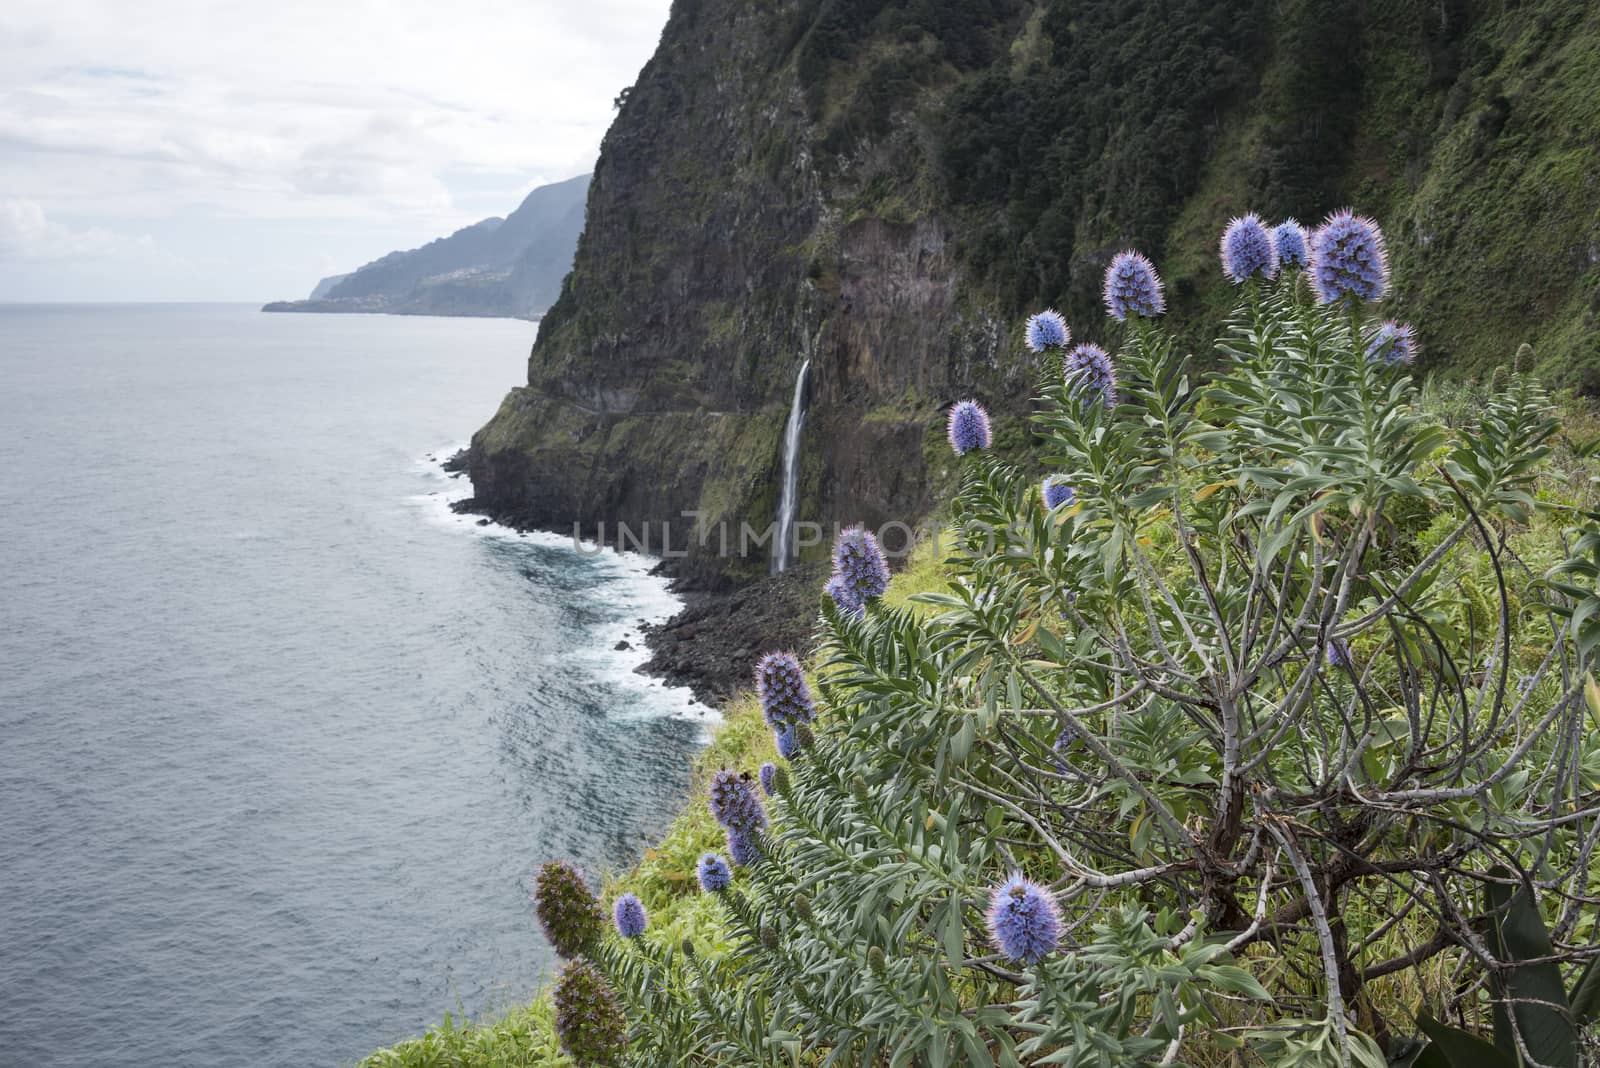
<point>282,738</point>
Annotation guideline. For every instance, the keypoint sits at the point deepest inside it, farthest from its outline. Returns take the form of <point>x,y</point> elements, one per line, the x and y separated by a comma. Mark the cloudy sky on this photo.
<point>230,150</point>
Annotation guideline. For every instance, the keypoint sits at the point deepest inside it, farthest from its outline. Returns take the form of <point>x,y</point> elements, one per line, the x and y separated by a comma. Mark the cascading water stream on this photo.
<point>788,498</point>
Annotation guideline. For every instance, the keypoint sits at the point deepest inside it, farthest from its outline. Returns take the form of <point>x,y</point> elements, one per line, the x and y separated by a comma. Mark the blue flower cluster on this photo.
<point>781,687</point>
<point>714,873</point>
<point>1290,239</point>
<point>1393,343</point>
<point>1057,491</point>
<point>1047,330</point>
<point>1024,920</point>
<point>860,570</point>
<point>744,847</point>
<point>1132,288</point>
<point>768,774</point>
<point>737,806</point>
<point>1248,249</point>
<point>734,803</point>
<point>1066,741</point>
<point>968,428</point>
<point>1338,653</point>
<point>1090,372</point>
<point>1349,260</point>
<point>629,916</point>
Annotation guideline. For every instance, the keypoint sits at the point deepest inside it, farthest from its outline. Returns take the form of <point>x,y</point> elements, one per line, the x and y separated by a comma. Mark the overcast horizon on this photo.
<point>215,152</point>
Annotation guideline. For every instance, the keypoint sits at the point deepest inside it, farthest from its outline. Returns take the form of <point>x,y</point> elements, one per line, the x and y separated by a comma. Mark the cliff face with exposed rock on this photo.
<point>886,188</point>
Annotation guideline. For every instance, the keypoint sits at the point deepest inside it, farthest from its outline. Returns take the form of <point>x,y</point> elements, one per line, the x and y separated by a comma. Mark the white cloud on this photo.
<point>27,235</point>
<point>376,124</point>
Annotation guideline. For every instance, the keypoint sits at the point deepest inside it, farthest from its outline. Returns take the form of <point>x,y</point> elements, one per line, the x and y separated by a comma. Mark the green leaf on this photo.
<point>1585,996</point>
<point>1532,992</point>
<point>1458,1048</point>
<point>953,933</point>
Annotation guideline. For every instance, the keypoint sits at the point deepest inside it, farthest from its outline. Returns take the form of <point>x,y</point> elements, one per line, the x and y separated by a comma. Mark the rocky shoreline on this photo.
<point>711,646</point>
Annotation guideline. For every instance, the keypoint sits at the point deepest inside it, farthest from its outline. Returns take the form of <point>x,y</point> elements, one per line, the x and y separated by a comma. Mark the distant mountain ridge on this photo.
<point>497,267</point>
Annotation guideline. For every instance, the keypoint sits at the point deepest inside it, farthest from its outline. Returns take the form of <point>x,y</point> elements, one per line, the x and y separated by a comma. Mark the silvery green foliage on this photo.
<point>1224,782</point>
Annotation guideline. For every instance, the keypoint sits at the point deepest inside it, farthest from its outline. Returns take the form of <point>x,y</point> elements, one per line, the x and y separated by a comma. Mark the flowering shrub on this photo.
<point>567,911</point>
<point>1090,373</point>
<point>1057,491</point>
<point>588,1021</point>
<point>628,916</point>
<point>1289,238</point>
<point>781,687</point>
<point>860,570</point>
<point>1249,250</point>
<point>968,427</point>
<point>1265,731</point>
<point>1047,330</point>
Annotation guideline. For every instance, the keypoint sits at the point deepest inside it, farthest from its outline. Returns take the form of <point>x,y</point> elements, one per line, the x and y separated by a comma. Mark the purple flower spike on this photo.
<point>1133,287</point>
<point>714,873</point>
<point>1057,492</point>
<point>1090,372</point>
<point>1338,653</point>
<point>781,686</point>
<point>969,427</point>
<point>1349,260</point>
<point>568,912</point>
<point>589,1021</point>
<point>734,803</point>
<point>788,744</point>
<point>1248,250</point>
<point>744,847</point>
<point>1293,251</point>
<point>1066,740</point>
<point>842,596</point>
<point>860,574</point>
<point>769,771</point>
<point>1024,920</point>
<point>629,916</point>
<point>1047,330</point>
<point>1393,343</point>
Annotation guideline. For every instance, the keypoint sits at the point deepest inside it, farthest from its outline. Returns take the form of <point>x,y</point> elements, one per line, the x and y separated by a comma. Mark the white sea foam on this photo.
<point>638,597</point>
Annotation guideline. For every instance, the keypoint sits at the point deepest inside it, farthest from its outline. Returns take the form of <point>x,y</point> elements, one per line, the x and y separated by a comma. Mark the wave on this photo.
<point>634,597</point>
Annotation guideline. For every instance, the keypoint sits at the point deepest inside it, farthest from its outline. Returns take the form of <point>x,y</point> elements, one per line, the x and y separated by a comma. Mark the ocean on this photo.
<point>282,738</point>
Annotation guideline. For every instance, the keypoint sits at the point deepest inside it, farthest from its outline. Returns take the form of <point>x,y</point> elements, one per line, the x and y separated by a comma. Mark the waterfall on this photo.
<point>787,499</point>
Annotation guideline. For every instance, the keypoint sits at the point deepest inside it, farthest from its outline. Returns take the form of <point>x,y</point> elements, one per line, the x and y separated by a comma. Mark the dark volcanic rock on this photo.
<point>712,645</point>
<point>718,255</point>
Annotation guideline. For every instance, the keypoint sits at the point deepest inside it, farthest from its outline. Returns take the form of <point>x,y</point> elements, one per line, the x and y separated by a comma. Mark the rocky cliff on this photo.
<point>885,188</point>
<point>501,267</point>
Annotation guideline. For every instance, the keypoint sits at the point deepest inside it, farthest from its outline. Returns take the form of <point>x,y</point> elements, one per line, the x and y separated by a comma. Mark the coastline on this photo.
<point>348,307</point>
<point>711,645</point>
<point>654,602</point>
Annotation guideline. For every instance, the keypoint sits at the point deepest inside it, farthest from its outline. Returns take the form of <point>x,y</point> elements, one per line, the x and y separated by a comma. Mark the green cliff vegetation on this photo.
<point>885,187</point>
